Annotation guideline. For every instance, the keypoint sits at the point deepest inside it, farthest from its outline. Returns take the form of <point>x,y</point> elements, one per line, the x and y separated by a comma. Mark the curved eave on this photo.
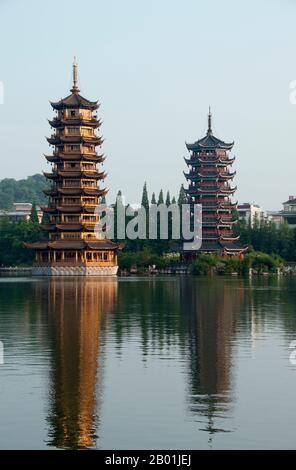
<point>74,101</point>
<point>227,222</point>
<point>60,140</point>
<point>209,142</point>
<point>228,191</point>
<point>103,245</point>
<point>67,209</point>
<point>229,239</point>
<point>80,139</point>
<point>81,174</point>
<point>198,161</point>
<point>69,227</point>
<point>37,245</point>
<point>70,191</point>
<point>67,244</point>
<point>48,210</point>
<point>50,192</point>
<point>76,157</point>
<point>95,192</point>
<point>48,227</point>
<point>51,158</point>
<point>236,249</point>
<point>228,176</point>
<point>50,176</point>
<point>85,191</point>
<point>61,123</point>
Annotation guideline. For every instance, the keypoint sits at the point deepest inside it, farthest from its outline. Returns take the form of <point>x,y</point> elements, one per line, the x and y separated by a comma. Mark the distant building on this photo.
<point>289,211</point>
<point>249,212</point>
<point>275,217</point>
<point>20,211</point>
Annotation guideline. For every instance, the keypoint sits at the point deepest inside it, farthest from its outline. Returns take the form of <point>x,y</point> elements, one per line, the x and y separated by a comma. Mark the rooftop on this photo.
<point>209,141</point>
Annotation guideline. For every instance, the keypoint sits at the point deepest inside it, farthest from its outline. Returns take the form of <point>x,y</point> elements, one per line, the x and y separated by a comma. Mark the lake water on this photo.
<point>148,363</point>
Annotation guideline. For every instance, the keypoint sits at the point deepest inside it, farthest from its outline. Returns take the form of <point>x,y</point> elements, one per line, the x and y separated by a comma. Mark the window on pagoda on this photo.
<point>71,218</point>
<point>88,166</point>
<point>71,236</point>
<point>89,200</point>
<point>72,131</point>
<point>72,148</point>
<point>88,148</point>
<point>85,113</point>
<point>87,131</point>
<point>71,200</point>
<point>72,113</point>
<point>89,184</point>
<point>71,183</point>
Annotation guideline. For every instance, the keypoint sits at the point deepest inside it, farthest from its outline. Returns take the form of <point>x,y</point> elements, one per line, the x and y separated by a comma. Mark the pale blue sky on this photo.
<point>156,66</point>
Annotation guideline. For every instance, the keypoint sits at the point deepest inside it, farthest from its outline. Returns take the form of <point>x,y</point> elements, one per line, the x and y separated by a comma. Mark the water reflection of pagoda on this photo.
<point>76,311</point>
<point>210,310</point>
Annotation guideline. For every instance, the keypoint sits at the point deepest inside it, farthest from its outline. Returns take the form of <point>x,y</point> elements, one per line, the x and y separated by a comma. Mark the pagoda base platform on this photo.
<point>74,270</point>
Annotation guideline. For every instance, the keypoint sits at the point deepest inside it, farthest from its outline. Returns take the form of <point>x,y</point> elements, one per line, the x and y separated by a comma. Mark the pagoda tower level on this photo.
<point>73,247</point>
<point>210,179</point>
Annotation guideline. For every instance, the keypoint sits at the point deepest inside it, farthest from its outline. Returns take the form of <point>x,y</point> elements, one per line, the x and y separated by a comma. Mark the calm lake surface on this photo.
<point>171,363</point>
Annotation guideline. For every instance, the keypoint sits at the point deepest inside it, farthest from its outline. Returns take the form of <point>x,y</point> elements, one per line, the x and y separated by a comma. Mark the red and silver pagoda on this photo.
<point>210,184</point>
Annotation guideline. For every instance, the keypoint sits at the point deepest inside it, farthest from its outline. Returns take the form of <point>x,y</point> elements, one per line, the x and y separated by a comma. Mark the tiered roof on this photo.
<point>209,184</point>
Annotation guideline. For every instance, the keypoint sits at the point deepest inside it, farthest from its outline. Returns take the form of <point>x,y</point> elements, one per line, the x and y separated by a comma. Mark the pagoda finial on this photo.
<point>209,121</point>
<point>75,88</point>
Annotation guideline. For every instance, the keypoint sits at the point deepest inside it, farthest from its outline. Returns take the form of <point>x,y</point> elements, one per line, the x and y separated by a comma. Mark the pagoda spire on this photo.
<point>210,132</point>
<point>75,88</point>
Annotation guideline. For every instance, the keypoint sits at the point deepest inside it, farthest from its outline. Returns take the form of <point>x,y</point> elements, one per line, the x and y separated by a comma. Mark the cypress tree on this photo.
<point>34,215</point>
<point>182,199</point>
<point>145,200</point>
<point>160,197</point>
<point>168,199</point>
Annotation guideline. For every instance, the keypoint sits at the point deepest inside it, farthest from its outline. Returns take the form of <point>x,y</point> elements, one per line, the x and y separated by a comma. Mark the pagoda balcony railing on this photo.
<point>224,233</point>
<point>77,186</point>
<point>75,263</point>
<point>80,133</point>
<point>77,116</point>
<point>210,235</point>
<point>78,203</point>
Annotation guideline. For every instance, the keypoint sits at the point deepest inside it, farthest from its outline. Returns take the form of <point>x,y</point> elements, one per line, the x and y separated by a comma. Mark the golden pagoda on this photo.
<point>74,247</point>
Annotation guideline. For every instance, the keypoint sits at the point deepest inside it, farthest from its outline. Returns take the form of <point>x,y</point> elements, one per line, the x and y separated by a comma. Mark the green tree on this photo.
<point>34,215</point>
<point>160,197</point>
<point>182,199</point>
<point>145,200</point>
<point>168,199</point>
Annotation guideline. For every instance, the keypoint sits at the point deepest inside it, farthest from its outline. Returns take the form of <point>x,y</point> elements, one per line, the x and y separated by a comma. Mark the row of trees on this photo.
<point>263,236</point>
<point>266,237</point>
<point>13,235</point>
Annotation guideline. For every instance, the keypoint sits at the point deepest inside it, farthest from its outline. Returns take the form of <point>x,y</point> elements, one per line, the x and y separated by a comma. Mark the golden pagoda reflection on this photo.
<point>76,309</point>
<point>211,315</point>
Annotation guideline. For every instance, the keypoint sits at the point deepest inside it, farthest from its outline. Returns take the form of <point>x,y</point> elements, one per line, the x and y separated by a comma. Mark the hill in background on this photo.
<point>25,190</point>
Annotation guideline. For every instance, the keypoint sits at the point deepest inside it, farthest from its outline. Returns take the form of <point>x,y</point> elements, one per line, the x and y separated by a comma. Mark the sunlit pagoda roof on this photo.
<point>75,100</point>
